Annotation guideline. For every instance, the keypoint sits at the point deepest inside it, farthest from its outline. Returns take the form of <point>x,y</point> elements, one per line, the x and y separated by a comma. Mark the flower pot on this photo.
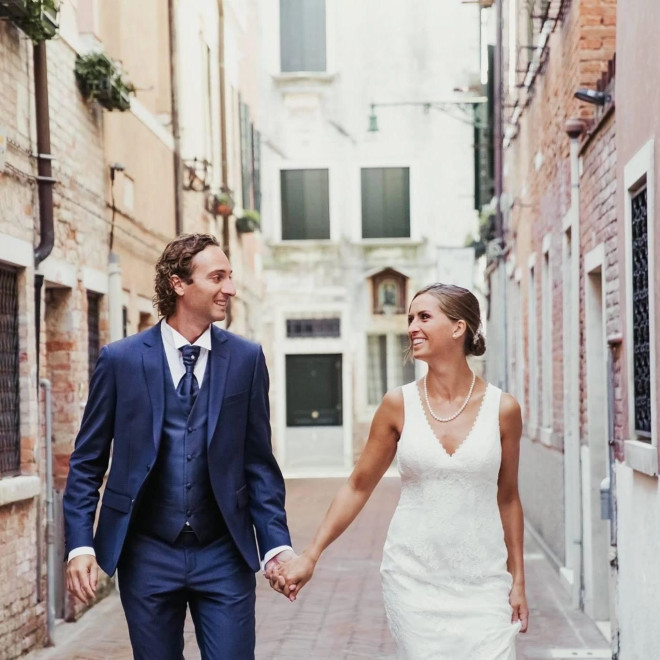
<point>246,225</point>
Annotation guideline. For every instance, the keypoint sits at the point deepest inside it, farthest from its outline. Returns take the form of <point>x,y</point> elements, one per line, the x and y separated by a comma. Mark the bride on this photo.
<point>452,569</point>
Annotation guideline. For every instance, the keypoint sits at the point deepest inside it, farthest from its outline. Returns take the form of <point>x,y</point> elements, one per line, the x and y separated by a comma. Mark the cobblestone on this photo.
<point>339,616</point>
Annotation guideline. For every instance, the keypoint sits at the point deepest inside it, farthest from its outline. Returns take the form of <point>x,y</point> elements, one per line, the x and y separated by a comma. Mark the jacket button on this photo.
<point>188,512</point>
<point>189,457</point>
<point>190,429</point>
<point>148,468</point>
<point>188,486</point>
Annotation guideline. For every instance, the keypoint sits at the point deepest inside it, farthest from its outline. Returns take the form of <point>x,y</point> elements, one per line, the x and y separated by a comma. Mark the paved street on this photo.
<point>340,615</point>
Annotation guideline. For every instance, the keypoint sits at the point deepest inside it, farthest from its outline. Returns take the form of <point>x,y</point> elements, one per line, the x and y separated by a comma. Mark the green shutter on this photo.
<point>302,35</point>
<point>305,204</point>
<point>386,202</point>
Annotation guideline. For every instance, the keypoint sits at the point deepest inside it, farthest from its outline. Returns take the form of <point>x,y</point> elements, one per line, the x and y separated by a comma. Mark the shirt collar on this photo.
<point>178,340</point>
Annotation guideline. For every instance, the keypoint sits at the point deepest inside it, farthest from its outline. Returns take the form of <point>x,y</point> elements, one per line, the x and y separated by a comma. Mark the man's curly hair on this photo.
<point>177,260</point>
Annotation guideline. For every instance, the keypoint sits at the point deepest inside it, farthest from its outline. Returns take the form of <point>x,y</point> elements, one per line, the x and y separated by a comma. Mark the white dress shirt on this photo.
<point>172,342</point>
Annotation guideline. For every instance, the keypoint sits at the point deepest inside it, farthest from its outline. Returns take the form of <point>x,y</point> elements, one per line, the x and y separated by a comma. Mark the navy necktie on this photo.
<point>188,385</point>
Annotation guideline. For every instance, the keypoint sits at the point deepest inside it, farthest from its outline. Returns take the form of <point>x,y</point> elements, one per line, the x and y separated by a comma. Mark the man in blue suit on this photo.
<point>184,407</point>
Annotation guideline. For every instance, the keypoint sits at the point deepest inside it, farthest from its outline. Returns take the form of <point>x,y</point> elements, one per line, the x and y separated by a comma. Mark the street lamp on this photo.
<point>463,106</point>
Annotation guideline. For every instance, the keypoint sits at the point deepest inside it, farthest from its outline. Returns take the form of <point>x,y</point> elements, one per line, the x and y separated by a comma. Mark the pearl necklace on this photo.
<point>458,412</point>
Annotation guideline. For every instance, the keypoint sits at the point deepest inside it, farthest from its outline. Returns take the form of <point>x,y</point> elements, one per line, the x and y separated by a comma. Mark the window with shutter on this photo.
<point>302,35</point>
<point>305,204</point>
<point>386,202</point>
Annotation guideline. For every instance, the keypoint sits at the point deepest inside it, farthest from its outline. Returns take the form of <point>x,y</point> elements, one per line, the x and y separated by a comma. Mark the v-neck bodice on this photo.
<point>469,433</point>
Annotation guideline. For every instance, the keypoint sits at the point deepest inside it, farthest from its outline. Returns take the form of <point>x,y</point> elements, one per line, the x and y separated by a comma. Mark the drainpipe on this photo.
<point>572,457</point>
<point>115,311</point>
<point>50,529</point>
<point>223,140</point>
<point>45,183</point>
<point>45,179</point>
<point>176,130</point>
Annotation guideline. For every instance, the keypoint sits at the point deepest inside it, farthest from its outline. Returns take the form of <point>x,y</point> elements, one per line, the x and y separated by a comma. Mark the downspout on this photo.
<point>50,518</point>
<point>574,128</point>
<point>45,183</point>
<point>223,139</point>
<point>176,129</point>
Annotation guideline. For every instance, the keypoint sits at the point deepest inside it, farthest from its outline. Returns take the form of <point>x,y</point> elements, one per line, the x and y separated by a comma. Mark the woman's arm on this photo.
<point>352,496</point>
<point>510,507</point>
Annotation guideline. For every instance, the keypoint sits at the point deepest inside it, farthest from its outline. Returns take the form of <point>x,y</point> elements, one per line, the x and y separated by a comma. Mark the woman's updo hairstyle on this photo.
<point>458,303</point>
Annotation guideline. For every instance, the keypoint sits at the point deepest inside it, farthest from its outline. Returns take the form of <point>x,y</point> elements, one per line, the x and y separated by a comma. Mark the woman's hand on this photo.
<point>294,574</point>
<point>518,602</point>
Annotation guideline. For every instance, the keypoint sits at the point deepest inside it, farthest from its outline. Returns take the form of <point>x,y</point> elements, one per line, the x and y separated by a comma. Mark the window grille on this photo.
<point>10,439</point>
<point>301,328</point>
<point>386,367</point>
<point>640,313</point>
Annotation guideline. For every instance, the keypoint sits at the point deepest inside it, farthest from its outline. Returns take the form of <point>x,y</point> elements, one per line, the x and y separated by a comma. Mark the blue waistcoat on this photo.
<point>179,490</point>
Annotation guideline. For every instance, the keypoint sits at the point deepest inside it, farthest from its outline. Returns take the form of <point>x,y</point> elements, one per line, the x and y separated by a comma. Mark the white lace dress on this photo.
<point>445,582</point>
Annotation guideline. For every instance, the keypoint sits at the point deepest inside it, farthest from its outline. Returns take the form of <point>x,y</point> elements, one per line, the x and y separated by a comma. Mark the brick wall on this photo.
<point>538,167</point>
<point>81,230</point>
<point>598,225</point>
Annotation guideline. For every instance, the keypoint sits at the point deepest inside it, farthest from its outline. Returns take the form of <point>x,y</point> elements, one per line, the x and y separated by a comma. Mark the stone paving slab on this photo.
<point>339,615</point>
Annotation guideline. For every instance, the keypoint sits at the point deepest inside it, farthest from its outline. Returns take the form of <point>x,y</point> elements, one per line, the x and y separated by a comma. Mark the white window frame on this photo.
<point>639,455</point>
<point>277,209</point>
<point>327,76</point>
<point>546,343</point>
<point>355,204</point>
<point>532,338</point>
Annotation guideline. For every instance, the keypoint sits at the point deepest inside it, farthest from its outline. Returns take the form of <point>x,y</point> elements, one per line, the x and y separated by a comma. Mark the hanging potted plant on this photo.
<point>248,222</point>
<point>221,203</point>
<point>100,78</point>
<point>37,18</point>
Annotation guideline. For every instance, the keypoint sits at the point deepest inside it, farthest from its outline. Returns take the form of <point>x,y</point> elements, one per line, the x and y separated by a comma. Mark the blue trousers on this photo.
<point>158,580</point>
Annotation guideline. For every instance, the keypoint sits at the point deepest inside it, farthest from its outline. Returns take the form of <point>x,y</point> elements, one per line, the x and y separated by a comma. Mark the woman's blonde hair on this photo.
<point>458,303</point>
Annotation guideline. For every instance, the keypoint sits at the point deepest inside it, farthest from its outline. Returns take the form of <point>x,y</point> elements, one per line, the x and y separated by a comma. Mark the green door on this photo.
<point>313,390</point>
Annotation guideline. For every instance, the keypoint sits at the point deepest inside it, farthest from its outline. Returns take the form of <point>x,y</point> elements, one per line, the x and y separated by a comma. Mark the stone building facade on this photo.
<point>562,282</point>
<point>115,203</point>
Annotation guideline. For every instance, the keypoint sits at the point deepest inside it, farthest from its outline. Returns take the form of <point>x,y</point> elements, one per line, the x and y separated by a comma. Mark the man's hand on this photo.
<point>272,571</point>
<point>82,574</point>
<point>294,574</point>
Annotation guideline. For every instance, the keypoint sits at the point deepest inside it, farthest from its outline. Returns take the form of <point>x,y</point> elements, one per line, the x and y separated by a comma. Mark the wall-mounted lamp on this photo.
<point>373,120</point>
<point>596,97</point>
<point>464,106</point>
<point>197,174</point>
<point>114,168</point>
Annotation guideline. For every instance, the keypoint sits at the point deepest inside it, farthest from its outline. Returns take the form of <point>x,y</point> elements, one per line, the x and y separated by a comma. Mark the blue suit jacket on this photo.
<point>125,410</point>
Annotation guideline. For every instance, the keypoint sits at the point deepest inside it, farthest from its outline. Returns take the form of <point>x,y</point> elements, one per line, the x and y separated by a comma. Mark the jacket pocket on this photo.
<point>242,497</point>
<point>116,501</point>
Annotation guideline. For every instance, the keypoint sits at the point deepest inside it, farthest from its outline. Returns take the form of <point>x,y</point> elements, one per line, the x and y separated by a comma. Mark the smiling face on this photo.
<point>203,298</point>
<point>432,333</point>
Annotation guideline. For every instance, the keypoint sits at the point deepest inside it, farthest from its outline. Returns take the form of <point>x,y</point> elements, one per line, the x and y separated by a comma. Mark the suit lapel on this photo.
<point>152,362</point>
<point>217,374</point>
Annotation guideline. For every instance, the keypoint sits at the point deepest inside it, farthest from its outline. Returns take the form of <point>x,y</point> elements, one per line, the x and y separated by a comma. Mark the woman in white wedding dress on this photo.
<point>452,570</point>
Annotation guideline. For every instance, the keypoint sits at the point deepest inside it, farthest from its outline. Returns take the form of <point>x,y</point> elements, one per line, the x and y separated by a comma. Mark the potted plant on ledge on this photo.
<point>248,222</point>
<point>101,79</point>
<point>37,18</point>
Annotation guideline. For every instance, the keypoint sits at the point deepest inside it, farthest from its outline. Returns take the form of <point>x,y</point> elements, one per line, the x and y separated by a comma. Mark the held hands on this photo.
<point>82,574</point>
<point>518,602</point>
<point>289,574</point>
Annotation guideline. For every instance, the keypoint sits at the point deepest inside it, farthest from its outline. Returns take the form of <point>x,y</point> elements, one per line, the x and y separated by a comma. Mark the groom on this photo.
<point>184,408</point>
